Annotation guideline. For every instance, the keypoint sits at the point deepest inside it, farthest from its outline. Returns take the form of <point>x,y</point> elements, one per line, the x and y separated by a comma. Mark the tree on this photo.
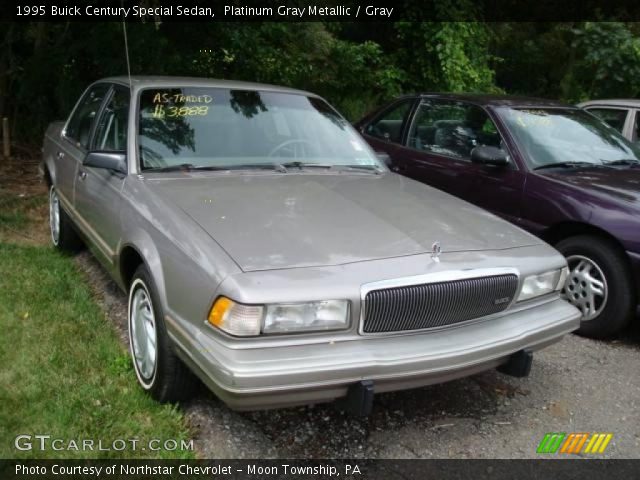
<point>605,62</point>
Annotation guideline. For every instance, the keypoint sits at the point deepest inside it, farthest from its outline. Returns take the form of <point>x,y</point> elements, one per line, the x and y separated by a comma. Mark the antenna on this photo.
<point>126,45</point>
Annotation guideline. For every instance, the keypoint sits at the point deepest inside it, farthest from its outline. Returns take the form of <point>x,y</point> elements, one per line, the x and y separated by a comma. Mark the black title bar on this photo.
<point>321,10</point>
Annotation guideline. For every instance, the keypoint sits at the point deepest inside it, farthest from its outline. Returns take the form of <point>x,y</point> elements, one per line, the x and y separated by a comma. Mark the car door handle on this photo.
<point>82,174</point>
<point>60,155</point>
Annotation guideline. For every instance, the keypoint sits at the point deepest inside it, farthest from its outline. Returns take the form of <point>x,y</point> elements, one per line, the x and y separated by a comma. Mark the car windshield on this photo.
<point>223,128</point>
<point>567,137</point>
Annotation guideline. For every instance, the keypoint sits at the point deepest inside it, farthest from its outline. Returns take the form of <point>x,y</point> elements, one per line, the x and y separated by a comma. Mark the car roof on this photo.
<point>145,81</point>
<point>494,99</point>
<point>614,102</point>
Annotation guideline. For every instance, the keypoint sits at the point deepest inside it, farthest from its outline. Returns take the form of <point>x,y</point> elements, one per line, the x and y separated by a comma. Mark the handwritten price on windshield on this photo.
<point>198,110</point>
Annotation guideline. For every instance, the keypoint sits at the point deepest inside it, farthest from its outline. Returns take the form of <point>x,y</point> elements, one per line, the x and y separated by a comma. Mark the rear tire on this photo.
<point>159,371</point>
<point>63,235</point>
<point>599,284</point>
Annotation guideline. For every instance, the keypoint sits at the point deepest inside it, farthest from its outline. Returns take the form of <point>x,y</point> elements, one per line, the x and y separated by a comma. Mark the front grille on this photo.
<point>432,305</point>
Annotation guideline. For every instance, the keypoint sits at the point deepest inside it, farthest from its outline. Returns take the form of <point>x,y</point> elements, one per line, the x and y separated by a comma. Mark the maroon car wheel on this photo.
<point>599,284</point>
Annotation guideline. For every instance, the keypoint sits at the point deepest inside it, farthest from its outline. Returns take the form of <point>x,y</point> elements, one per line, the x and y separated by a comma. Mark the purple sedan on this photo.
<point>553,169</point>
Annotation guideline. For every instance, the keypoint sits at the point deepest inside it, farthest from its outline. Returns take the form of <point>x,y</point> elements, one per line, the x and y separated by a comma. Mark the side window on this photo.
<point>388,126</point>
<point>111,132</point>
<point>79,126</point>
<point>636,127</point>
<point>614,117</point>
<point>452,129</point>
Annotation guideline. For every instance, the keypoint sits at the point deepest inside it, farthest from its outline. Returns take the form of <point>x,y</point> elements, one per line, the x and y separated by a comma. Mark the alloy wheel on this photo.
<point>586,286</point>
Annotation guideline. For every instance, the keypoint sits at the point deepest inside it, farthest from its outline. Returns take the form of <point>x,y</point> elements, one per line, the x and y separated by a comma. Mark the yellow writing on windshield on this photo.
<point>168,104</point>
<point>538,118</point>
<point>166,97</point>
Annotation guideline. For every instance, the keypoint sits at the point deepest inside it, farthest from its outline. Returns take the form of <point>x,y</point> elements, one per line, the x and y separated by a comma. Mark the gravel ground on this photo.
<point>578,385</point>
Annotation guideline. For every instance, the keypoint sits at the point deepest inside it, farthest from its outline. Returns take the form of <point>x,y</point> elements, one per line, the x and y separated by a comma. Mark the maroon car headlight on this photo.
<point>542,284</point>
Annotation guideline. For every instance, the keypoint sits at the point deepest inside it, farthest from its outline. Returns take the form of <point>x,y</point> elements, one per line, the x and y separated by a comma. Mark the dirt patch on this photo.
<point>24,209</point>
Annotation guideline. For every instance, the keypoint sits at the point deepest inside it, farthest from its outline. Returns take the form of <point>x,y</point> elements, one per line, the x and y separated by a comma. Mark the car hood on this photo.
<point>286,220</point>
<point>621,183</point>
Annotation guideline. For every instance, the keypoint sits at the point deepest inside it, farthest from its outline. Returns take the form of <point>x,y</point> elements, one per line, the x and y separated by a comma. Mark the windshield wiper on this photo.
<point>566,165</point>
<point>279,167</point>
<point>302,165</point>
<point>623,161</point>
<point>371,168</point>
<point>190,167</point>
<point>260,166</point>
<point>186,167</point>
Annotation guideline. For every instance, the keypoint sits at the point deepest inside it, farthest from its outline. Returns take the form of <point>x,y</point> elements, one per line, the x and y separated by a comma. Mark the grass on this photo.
<point>63,371</point>
<point>14,210</point>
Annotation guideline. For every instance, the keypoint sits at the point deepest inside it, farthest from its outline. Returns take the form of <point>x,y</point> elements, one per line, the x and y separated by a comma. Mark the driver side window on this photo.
<point>389,125</point>
<point>111,132</point>
<point>79,127</point>
<point>614,117</point>
<point>452,129</point>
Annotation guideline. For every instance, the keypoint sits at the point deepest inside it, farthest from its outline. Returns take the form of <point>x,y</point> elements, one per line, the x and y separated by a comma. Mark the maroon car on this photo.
<point>553,169</point>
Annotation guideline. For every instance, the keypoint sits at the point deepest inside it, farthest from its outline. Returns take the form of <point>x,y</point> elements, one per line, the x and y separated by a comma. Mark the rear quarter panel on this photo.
<point>50,146</point>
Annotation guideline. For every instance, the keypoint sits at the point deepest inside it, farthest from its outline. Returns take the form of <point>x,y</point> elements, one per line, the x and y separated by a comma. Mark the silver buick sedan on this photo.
<point>268,250</point>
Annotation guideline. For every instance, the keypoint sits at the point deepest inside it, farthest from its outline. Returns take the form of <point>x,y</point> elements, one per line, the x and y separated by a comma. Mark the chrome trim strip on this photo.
<point>87,229</point>
<point>176,326</point>
<point>436,277</point>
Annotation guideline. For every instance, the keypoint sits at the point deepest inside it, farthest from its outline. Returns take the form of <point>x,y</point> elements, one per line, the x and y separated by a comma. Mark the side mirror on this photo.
<point>108,160</point>
<point>487,155</point>
<point>385,158</point>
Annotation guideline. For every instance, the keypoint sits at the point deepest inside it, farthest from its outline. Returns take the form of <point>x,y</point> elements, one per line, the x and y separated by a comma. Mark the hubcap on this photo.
<point>54,216</point>
<point>586,286</point>
<point>143,333</point>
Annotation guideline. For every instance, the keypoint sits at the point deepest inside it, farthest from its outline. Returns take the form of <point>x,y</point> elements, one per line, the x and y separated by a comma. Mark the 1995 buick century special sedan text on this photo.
<point>267,248</point>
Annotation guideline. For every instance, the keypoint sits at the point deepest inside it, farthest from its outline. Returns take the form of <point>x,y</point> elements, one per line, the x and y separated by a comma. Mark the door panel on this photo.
<point>98,201</point>
<point>67,161</point>
<point>98,190</point>
<point>499,190</point>
<point>444,173</point>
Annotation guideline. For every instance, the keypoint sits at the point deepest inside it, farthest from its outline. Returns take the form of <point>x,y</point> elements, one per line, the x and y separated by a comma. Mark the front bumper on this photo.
<point>279,376</point>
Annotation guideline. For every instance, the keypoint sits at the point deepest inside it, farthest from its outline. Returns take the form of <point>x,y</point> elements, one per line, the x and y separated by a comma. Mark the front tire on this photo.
<point>599,284</point>
<point>159,371</point>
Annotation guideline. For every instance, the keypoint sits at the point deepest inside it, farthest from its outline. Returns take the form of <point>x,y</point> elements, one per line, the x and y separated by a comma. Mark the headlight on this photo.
<point>236,318</point>
<point>306,317</point>
<point>537,285</point>
<point>250,320</point>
